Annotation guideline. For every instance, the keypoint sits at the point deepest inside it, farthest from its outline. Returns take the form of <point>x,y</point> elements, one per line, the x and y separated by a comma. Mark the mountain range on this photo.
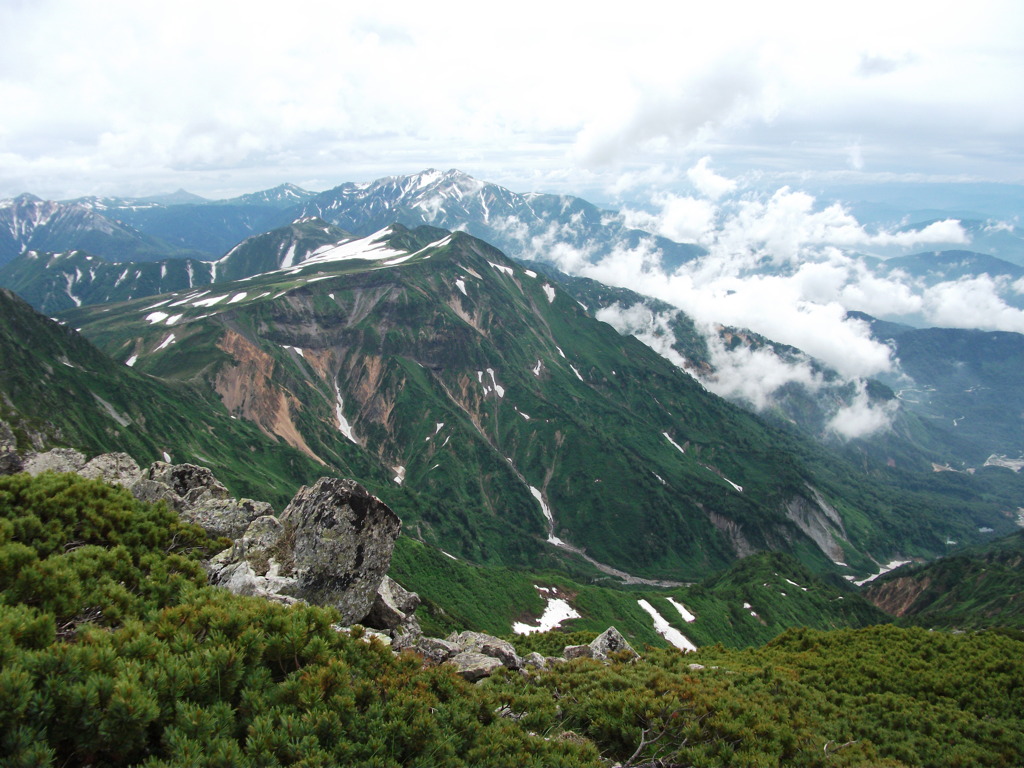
<point>482,396</point>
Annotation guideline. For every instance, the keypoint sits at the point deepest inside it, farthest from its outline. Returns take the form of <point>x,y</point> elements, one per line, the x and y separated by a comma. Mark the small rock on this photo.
<point>578,652</point>
<point>611,641</point>
<point>474,666</point>
<point>435,649</point>
<point>489,645</point>
<point>695,667</point>
<point>535,660</point>
<point>392,605</point>
<point>406,634</point>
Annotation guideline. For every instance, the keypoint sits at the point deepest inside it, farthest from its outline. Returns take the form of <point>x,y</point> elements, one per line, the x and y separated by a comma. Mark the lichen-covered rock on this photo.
<point>578,652</point>
<point>478,642</point>
<point>226,517</point>
<point>406,634</point>
<point>342,538</point>
<point>56,460</point>
<point>535,660</point>
<point>392,605</point>
<point>435,649</point>
<point>11,460</point>
<point>608,642</point>
<point>473,666</point>
<point>113,468</point>
<point>182,486</point>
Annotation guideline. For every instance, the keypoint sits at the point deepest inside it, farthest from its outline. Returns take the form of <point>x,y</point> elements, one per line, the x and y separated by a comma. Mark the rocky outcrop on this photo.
<point>478,642</point>
<point>819,521</point>
<point>601,647</point>
<point>198,497</point>
<point>473,666</point>
<point>342,538</point>
<point>331,546</point>
<point>898,597</point>
<point>611,641</point>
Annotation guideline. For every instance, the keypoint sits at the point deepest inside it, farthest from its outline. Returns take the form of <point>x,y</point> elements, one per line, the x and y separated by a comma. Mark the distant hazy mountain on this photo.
<point>29,223</point>
<point>521,225</point>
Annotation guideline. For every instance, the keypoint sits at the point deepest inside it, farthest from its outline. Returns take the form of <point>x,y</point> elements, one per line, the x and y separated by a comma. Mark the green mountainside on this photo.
<point>57,385</point>
<point>54,282</point>
<point>509,425</point>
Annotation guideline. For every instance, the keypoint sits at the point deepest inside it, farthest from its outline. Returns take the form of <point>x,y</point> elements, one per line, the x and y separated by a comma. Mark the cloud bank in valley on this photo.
<point>790,269</point>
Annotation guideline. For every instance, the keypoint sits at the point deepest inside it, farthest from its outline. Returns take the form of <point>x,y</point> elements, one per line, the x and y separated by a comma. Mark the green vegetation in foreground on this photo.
<point>113,652</point>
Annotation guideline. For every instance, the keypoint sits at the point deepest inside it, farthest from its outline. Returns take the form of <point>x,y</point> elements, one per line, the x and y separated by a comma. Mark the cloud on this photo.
<point>652,329</point>
<point>676,111</point>
<point>683,219</point>
<point>855,156</point>
<point>707,182</point>
<point>754,375</point>
<point>875,64</point>
<point>973,302</point>
<point>863,418</point>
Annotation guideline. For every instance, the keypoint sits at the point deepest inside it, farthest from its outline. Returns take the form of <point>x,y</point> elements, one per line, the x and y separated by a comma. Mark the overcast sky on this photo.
<point>221,98</point>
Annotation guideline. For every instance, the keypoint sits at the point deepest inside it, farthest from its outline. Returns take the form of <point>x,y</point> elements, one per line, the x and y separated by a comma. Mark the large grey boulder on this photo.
<point>113,468</point>
<point>55,460</point>
<point>608,642</point>
<point>182,486</point>
<point>436,650</point>
<point>342,538</point>
<point>198,497</point>
<point>611,641</point>
<point>331,546</point>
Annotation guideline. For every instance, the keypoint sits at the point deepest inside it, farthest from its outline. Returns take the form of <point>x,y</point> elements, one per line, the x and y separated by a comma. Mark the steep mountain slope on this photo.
<point>513,426</point>
<point>28,223</point>
<point>52,282</point>
<point>208,227</point>
<point>58,386</point>
<point>980,587</point>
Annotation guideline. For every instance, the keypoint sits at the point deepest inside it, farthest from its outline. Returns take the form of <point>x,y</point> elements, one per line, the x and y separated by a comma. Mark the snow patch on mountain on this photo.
<point>687,616</point>
<point>677,445</point>
<point>166,342</point>
<point>556,611</point>
<point>892,565</point>
<point>666,630</point>
<point>343,426</point>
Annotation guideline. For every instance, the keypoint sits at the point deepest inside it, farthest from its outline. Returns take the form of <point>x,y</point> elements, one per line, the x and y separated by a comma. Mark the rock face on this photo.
<point>342,539</point>
<point>331,546</point>
<point>608,642</point>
